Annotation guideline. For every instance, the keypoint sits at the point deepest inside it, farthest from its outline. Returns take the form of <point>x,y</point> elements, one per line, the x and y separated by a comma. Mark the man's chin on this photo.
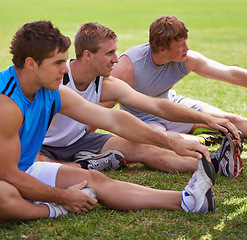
<point>107,74</point>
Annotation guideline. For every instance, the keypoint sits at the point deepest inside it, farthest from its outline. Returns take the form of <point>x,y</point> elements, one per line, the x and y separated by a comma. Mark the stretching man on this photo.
<point>30,95</point>
<point>154,68</point>
<point>95,48</point>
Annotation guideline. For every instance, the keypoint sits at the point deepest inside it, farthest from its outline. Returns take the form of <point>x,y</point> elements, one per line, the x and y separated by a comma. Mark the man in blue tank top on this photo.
<point>30,95</point>
<point>154,68</point>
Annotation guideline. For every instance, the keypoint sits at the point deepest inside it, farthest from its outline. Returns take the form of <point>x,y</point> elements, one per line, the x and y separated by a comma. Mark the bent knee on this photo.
<point>97,175</point>
<point>7,191</point>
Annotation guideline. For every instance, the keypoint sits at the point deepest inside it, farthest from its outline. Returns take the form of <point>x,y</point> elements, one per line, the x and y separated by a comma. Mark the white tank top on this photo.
<point>63,130</point>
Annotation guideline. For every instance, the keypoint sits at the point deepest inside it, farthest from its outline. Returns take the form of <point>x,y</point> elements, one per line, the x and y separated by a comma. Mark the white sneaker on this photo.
<point>200,185</point>
<point>90,191</point>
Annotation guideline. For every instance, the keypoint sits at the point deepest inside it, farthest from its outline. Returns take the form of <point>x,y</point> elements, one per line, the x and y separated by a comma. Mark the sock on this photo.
<point>55,210</point>
<point>188,202</point>
<point>52,212</point>
<point>84,164</point>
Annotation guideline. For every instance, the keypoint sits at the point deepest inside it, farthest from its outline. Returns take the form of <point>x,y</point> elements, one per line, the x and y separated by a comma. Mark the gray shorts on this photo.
<point>92,142</point>
<point>177,126</point>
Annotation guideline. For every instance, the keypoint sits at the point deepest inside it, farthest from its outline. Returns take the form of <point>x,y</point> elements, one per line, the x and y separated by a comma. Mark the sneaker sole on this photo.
<point>236,164</point>
<point>211,200</point>
<point>209,169</point>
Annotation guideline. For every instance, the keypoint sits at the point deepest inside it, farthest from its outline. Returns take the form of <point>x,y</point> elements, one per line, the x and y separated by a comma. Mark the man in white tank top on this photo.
<point>95,47</point>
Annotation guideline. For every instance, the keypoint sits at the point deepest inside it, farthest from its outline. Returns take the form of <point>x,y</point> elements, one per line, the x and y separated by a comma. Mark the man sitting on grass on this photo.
<point>95,48</point>
<point>30,95</point>
<point>154,68</point>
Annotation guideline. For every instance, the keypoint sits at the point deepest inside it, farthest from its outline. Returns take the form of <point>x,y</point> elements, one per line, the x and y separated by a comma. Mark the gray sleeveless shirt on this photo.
<point>152,80</point>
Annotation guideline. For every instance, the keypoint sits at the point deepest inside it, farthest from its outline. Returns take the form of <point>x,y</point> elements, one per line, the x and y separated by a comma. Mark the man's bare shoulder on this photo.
<point>124,70</point>
<point>191,55</point>
<point>192,60</point>
<point>10,114</point>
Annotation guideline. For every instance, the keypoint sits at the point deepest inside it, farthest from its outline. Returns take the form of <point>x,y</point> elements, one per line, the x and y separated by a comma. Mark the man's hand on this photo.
<point>79,201</point>
<point>190,148</point>
<point>224,125</point>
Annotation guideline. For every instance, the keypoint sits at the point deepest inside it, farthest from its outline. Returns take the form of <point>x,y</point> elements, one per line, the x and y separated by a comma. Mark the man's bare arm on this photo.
<point>209,68</point>
<point>117,90</point>
<point>29,187</point>
<point>123,124</point>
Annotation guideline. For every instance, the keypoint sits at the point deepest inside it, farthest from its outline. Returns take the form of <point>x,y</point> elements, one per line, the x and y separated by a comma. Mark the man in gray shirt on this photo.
<point>154,68</point>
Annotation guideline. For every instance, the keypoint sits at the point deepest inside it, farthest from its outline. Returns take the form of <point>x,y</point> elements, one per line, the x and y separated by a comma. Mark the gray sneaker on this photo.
<point>109,160</point>
<point>200,185</point>
<point>228,156</point>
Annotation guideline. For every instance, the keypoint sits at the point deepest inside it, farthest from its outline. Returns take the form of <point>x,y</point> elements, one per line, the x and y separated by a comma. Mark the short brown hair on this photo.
<point>89,36</point>
<point>165,29</point>
<point>38,40</point>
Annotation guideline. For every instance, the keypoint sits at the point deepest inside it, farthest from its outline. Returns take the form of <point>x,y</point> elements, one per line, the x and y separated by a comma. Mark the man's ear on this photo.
<point>30,63</point>
<point>87,54</point>
<point>162,49</point>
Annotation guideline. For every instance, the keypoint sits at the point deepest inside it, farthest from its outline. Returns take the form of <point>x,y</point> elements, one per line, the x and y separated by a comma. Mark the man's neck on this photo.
<point>159,59</point>
<point>26,85</point>
<point>82,74</point>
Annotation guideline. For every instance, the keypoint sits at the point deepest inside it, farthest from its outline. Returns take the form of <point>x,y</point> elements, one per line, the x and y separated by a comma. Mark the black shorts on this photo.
<point>92,142</point>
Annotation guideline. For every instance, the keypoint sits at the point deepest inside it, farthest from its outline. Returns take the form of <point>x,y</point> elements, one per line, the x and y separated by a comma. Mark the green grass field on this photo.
<point>217,30</point>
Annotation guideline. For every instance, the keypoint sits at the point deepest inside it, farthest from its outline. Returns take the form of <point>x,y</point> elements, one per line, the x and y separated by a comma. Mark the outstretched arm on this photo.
<point>114,89</point>
<point>209,68</point>
<point>124,125</point>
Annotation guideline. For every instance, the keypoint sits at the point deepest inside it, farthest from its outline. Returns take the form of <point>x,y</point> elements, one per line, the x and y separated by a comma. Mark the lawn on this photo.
<point>217,30</point>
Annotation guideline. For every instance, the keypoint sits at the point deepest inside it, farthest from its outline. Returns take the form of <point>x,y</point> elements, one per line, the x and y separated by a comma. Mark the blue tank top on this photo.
<point>37,115</point>
<point>152,80</point>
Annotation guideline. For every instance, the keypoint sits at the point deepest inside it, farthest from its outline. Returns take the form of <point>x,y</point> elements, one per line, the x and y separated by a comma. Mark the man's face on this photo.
<point>50,73</point>
<point>105,58</point>
<point>178,50</point>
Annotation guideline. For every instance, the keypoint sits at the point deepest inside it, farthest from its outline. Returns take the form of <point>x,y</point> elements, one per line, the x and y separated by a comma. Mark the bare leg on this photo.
<point>117,194</point>
<point>151,156</point>
<point>43,158</point>
<point>13,206</point>
<point>239,121</point>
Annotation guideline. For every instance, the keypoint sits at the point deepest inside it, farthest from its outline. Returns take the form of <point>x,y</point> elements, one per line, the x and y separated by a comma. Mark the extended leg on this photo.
<point>117,194</point>
<point>151,156</point>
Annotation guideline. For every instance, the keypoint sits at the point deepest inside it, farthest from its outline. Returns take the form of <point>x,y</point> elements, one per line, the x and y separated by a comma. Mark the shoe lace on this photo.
<point>193,180</point>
